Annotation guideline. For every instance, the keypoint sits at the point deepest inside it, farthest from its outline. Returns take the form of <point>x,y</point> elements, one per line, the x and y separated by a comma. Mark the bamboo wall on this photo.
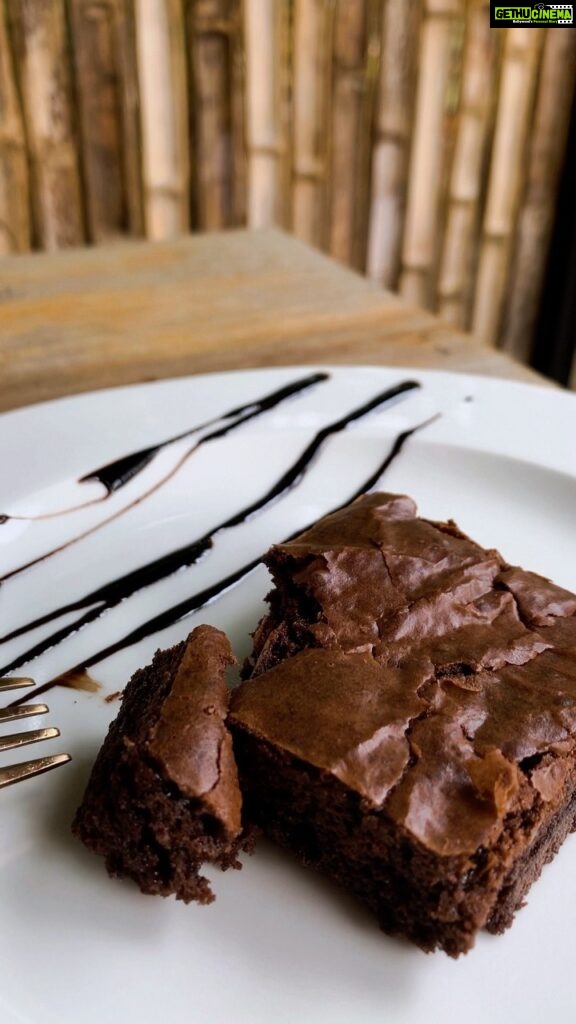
<point>408,140</point>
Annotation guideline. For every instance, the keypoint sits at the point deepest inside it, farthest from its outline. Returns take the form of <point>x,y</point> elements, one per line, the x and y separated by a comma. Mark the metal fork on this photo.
<point>26,769</point>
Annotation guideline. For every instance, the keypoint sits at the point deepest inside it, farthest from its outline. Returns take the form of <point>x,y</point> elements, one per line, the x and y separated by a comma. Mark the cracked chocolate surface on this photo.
<point>344,713</point>
<point>433,679</point>
<point>189,741</point>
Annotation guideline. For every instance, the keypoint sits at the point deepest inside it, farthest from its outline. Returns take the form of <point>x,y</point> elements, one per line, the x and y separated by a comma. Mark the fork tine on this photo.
<point>22,711</point>
<point>18,772</point>
<point>16,683</point>
<point>21,739</point>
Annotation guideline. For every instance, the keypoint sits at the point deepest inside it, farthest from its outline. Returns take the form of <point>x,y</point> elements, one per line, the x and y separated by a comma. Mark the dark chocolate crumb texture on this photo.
<point>409,724</point>
<point>163,797</point>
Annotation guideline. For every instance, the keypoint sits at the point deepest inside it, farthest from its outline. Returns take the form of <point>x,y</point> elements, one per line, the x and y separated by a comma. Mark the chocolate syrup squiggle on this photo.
<point>111,594</point>
<point>119,472</point>
<point>208,595</point>
<point>116,474</point>
<point>111,474</point>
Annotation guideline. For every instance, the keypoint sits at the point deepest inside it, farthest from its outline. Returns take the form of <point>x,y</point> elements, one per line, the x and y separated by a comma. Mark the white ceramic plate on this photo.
<point>279,945</point>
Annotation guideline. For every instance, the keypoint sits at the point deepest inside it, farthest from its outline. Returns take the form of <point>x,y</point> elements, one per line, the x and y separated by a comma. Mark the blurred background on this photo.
<point>408,140</point>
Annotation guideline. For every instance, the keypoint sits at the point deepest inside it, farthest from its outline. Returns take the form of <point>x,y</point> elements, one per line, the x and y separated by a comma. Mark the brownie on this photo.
<point>163,796</point>
<point>408,727</point>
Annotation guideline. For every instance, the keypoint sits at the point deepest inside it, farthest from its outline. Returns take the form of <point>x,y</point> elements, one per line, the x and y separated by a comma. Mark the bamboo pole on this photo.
<point>521,55</point>
<point>14,185</point>
<point>313,30</point>
<point>420,241</point>
<point>43,62</point>
<point>162,80</point>
<point>99,88</point>
<point>365,142</point>
<point>393,130</point>
<point>217,100</point>
<point>263,24</point>
<point>479,70</point>
<point>131,117</point>
<point>210,45</point>
<point>546,150</point>
<point>349,90</point>
<point>238,213</point>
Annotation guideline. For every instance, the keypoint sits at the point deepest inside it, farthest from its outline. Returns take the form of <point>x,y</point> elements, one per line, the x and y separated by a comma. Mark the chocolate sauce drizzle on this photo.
<point>116,474</point>
<point>111,594</point>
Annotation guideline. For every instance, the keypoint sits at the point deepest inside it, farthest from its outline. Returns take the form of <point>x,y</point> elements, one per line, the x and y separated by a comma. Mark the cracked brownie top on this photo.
<point>427,675</point>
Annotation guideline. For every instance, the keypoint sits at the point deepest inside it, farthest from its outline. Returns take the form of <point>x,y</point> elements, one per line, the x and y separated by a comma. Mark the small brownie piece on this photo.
<point>410,725</point>
<point>163,797</point>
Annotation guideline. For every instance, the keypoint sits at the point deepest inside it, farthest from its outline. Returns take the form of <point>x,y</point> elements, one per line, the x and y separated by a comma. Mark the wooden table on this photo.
<point>83,319</point>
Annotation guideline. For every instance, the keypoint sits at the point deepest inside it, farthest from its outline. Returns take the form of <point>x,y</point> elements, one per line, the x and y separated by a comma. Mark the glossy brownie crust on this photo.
<point>163,796</point>
<point>408,727</point>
